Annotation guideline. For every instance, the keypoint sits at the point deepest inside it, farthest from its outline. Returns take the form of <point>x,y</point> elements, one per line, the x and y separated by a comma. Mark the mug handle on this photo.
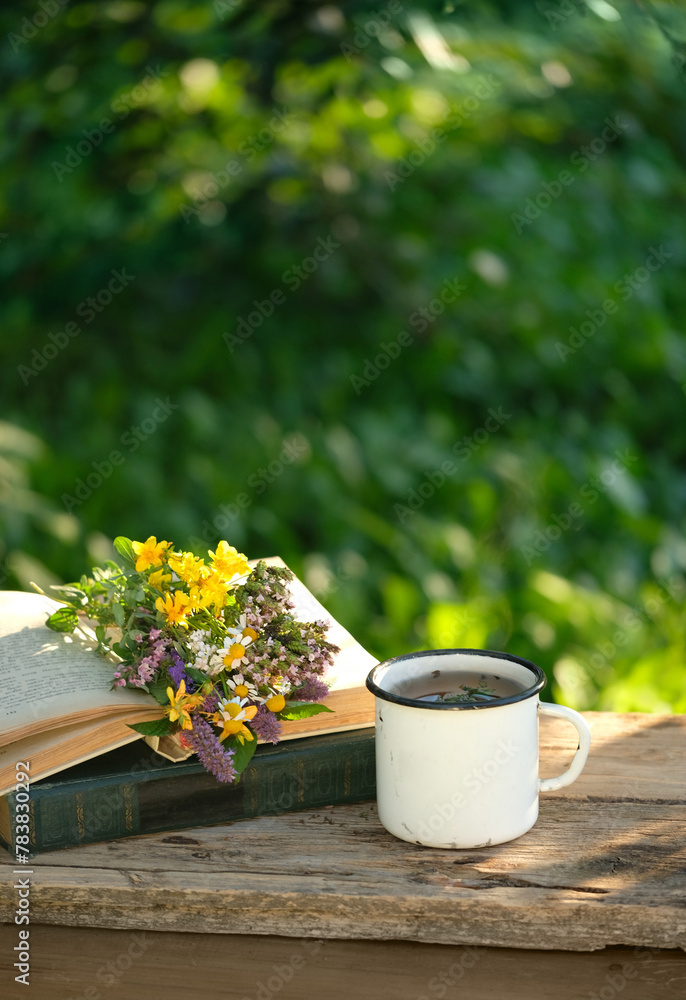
<point>577,765</point>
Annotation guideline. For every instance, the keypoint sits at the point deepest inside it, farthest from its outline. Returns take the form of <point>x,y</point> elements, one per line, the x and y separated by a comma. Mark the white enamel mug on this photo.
<point>462,776</point>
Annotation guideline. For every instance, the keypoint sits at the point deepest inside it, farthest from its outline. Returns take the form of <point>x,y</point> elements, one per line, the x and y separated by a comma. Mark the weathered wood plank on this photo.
<point>633,756</point>
<point>605,866</point>
<point>119,965</point>
<point>582,879</point>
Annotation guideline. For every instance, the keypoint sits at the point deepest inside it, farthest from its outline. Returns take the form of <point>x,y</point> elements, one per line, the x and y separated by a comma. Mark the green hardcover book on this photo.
<point>133,790</point>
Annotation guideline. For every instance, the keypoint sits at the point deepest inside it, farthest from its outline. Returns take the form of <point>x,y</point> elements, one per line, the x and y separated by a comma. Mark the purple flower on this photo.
<point>177,672</point>
<point>211,754</point>
<point>266,726</point>
<point>211,702</point>
<point>312,690</point>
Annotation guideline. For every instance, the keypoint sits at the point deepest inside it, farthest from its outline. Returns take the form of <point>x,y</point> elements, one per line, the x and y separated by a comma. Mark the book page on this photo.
<point>48,753</point>
<point>353,663</point>
<point>47,675</point>
<point>57,682</point>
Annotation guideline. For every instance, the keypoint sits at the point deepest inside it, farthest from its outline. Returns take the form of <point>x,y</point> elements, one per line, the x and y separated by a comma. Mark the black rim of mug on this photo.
<point>512,699</point>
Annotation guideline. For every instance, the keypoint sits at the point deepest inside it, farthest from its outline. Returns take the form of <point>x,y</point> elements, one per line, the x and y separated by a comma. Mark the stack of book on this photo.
<point>92,778</point>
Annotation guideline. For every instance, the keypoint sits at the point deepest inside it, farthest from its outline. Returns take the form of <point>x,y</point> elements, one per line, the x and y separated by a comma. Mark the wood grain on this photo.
<point>605,865</point>
<point>125,965</point>
<point>634,756</point>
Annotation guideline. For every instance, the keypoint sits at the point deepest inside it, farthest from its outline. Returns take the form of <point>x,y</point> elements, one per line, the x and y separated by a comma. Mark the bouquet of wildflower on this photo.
<point>215,643</point>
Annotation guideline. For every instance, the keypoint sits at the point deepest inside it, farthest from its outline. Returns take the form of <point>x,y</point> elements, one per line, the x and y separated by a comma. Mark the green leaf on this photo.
<point>159,727</point>
<point>158,689</point>
<point>124,547</point>
<point>197,675</point>
<point>243,752</point>
<point>72,592</point>
<point>125,648</point>
<point>118,612</point>
<point>301,710</point>
<point>64,620</point>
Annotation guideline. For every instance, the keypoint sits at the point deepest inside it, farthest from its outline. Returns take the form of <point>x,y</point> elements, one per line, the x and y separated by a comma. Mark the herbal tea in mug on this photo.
<point>457,746</point>
<point>459,687</point>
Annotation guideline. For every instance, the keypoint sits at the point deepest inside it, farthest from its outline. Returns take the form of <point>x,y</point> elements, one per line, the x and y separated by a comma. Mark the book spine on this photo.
<point>66,818</point>
<point>274,782</point>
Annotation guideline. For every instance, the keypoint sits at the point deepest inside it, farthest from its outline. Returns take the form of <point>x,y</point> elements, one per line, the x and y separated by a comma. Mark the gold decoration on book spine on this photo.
<point>301,781</point>
<point>128,807</point>
<point>79,817</point>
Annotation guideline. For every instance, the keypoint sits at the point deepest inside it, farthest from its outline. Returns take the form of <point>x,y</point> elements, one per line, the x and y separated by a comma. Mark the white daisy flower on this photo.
<point>233,713</point>
<point>282,686</point>
<point>243,631</point>
<point>234,653</point>
<point>241,687</point>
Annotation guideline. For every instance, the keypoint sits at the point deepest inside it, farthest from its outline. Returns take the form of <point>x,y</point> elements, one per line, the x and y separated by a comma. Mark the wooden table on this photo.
<point>589,904</point>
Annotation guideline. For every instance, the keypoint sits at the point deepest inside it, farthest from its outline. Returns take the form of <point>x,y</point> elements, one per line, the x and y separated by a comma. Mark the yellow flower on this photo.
<point>228,562</point>
<point>188,567</point>
<point>233,715</point>
<point>181,705</point>
<point>150,553</point>
<point>276,703</point>
<point>175,607</point>
<point>211,591</point>
<point>159,579</point>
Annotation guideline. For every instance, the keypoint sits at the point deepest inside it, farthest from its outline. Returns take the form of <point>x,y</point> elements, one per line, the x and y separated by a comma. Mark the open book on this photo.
<point>57,707</point>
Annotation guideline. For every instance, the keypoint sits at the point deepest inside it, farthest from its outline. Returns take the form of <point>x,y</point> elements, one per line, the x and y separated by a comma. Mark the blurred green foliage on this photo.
<point>203,151</point>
